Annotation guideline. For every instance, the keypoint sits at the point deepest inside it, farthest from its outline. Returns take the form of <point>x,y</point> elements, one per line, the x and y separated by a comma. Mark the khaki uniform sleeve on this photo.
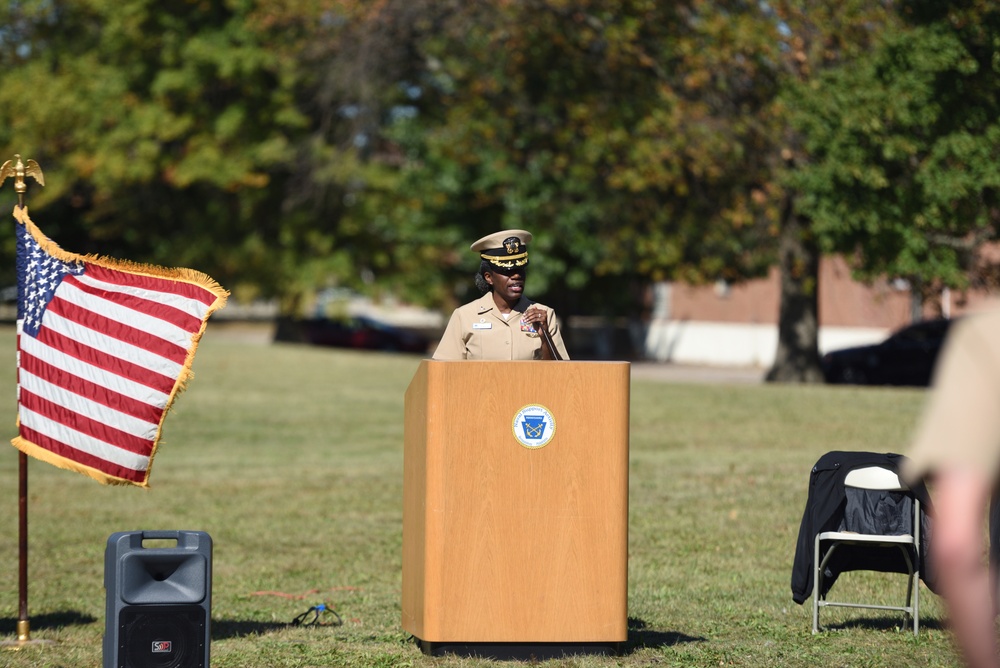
<point>960,426</point>
<point>451,346</point>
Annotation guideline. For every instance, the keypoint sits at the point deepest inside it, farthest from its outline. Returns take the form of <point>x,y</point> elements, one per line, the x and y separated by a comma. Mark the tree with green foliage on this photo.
<point>645,140</point>
<point>799,40</point>
<point>165,130</point>
<point>903,174</point>
<point>587,123</point>
<point>289,145</point>
<point>358,76</point>
<point>639,140</point>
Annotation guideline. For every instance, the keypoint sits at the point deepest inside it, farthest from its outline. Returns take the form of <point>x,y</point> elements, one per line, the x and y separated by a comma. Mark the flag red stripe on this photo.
<point>91,390</point>
<point>80,457</point>
<point>85,425</point>
<point>110,363</point>
<point>118,330</point>
<point>169,285</point>
<point>159,310</point>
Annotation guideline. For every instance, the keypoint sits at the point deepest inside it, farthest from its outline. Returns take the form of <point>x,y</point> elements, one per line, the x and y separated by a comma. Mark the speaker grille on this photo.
<point>170,636</point>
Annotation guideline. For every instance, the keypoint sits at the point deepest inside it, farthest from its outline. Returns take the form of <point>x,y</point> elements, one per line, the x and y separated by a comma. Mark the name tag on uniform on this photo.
<point>482,325</point>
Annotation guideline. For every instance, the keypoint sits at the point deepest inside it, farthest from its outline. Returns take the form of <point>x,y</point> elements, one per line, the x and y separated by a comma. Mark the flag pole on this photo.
<point>23,624</point>
<point>17,169</point>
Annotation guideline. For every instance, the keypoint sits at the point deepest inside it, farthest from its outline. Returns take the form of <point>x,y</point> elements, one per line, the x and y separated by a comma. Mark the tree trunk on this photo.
<point>916,300</point>
<point>797,357</point>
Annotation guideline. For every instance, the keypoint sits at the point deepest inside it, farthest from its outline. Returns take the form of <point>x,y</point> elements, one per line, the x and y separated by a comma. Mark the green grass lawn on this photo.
<point>291,458</point>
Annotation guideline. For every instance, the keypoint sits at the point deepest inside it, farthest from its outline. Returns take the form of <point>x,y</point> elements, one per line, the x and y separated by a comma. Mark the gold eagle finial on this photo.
<point>19,171</point>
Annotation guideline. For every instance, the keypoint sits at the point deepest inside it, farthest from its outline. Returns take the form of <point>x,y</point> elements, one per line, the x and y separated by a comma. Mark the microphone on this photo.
<point>548,340</point>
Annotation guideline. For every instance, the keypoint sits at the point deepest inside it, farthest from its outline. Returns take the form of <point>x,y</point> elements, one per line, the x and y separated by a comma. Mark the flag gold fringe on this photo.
<point>176,274</point>
<point>32,450</point>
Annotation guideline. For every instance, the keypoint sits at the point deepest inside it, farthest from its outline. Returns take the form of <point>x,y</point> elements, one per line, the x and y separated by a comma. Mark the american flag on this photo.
<point>103,348</point>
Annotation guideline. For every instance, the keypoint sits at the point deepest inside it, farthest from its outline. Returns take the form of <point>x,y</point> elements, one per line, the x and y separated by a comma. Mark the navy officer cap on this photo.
<point>506,249</point>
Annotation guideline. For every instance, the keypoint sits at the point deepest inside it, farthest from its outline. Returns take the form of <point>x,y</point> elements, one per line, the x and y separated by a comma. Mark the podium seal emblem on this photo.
<point>534,426</point>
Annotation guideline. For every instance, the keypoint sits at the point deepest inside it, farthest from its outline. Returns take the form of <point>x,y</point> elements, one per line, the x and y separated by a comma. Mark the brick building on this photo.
<point>737,324</point>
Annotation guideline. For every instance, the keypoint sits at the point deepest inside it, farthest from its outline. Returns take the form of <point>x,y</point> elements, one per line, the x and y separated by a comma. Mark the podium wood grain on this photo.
<point>503,543</point>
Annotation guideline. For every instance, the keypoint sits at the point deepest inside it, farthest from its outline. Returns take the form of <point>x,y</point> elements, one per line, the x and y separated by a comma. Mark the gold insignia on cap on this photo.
<point>520,262</point>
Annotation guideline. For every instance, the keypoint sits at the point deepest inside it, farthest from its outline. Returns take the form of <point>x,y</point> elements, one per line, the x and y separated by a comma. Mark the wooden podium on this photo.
<point>515,491</point>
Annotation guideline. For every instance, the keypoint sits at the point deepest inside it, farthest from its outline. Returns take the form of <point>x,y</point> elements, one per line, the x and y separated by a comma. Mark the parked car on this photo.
<point>353,332</point>
<point>907,357</point>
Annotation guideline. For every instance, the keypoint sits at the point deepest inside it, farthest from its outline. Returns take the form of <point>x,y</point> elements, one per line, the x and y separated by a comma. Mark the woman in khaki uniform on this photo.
<point>503,324</point>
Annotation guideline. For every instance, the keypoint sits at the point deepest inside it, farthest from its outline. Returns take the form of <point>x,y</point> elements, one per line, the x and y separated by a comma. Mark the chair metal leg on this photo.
<point>911,609</point>
<point>817,585</point>
<point>912,590</point>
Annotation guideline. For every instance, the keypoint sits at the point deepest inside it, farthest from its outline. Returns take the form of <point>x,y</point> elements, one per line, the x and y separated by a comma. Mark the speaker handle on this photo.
<point>185,539</point>
<point>160,535</point>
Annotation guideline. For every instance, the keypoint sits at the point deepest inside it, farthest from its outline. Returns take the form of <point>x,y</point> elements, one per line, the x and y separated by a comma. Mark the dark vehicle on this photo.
<point>354,332</point>
<point>907,357</point>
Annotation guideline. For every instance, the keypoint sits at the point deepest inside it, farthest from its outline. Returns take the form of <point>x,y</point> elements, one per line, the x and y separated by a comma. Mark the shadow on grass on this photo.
<point>884,624</point>
<point>49,620</point>
<point>223,629</point>
<point>641,636</point>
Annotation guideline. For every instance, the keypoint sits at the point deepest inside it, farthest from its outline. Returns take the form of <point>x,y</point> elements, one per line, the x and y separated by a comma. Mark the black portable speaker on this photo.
<point>159,599</point>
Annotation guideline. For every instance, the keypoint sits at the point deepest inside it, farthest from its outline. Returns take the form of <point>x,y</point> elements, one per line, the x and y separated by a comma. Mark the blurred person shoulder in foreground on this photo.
<point>957,450</point>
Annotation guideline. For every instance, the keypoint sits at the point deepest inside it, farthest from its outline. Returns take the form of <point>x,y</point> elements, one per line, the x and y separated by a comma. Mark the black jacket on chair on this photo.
<point>825,511</point>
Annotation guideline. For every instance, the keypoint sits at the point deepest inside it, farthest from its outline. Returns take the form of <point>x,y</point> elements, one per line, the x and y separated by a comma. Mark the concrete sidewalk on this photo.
<point>687,373</point>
